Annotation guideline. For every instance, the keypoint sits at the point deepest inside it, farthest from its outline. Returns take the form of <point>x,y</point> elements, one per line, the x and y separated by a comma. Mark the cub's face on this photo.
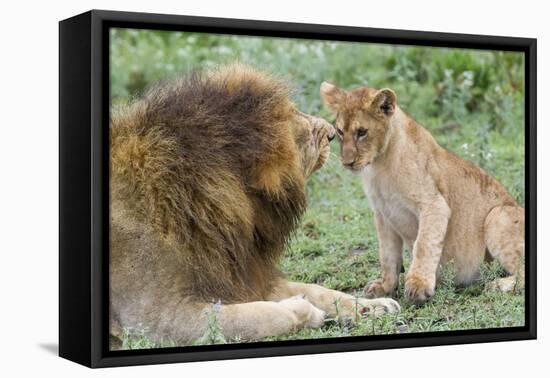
<point>312,136</point>
<point>362,120</point>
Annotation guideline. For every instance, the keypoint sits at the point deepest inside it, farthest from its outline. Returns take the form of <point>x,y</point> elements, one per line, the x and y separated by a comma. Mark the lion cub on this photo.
<point>440,207</point>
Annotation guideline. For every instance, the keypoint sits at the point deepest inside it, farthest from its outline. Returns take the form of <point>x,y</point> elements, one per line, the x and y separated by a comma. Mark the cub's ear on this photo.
<point>332,96</point>
<point>384,102</point>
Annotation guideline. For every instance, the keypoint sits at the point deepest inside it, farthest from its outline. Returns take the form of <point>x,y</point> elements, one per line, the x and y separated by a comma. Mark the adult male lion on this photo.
<point>207,185</point>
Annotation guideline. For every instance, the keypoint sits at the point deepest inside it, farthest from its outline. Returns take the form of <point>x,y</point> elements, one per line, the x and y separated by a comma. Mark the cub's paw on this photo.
<point>505,285</point>
<point>307,315</point>
<point>418,289</point>
<point>376,289</point>
<point>379,306</point>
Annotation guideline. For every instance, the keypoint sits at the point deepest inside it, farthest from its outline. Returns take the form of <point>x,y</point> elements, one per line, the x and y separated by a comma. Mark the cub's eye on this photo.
<point>340,132</point>
<point>361,132</point>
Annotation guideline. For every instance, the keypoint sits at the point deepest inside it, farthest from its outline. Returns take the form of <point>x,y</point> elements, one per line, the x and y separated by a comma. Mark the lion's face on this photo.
<point>312,135</point>
<point>362,122</point>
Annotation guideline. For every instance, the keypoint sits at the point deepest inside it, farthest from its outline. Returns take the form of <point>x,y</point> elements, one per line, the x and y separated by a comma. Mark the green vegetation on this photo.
<point>472,102</point>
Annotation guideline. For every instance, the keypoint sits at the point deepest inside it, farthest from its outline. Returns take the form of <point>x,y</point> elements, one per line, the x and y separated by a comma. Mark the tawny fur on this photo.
<point>207,185</point>
<point>435,204</point>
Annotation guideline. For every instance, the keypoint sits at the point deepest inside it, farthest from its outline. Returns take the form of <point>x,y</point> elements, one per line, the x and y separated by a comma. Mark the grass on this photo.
<point>471,101</point>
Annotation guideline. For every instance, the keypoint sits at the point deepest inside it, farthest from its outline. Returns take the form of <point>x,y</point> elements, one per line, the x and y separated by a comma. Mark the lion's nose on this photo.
<point>319,124</point>
<point>331,133</point>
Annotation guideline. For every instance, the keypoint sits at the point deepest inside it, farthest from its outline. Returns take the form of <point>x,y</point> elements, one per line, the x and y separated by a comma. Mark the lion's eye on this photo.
<point>340,132</point>
<point>361,132</point>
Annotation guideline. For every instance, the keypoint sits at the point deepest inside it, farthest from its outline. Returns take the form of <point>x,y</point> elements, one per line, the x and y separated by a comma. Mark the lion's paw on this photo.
<point>308,316</point>
<point>379,306</point>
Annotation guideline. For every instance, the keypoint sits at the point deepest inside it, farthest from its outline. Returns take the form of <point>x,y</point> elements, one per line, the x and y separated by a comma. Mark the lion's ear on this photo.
<point>384,102</point>
<point>332,96</point>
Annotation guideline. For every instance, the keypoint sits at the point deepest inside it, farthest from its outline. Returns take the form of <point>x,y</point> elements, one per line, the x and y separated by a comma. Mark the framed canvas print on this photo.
<point>234,188</point>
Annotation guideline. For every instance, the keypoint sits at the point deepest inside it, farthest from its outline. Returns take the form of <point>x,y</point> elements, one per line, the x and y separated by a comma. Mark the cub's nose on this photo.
<point>348,164</point>
<point>348,157</point>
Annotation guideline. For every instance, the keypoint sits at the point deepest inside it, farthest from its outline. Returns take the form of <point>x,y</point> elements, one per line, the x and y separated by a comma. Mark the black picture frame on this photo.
<point>84,192</point>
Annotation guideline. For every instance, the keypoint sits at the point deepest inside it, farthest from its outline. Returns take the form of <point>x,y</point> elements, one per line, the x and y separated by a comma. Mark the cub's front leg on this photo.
<point>390,250</point>
<point>432,227</point>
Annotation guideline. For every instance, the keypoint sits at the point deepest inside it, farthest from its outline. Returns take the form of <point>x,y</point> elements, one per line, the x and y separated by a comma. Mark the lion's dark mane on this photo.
<point>199,158</point>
